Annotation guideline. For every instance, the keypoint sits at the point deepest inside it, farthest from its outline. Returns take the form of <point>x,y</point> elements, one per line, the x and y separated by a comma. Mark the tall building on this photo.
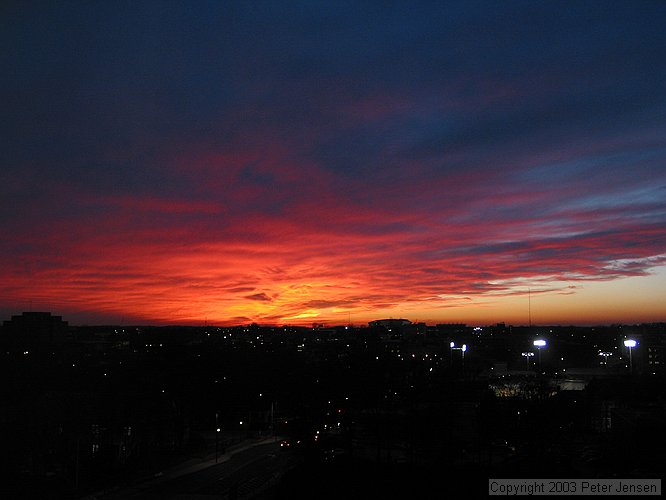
<point>656,358</point>
<point>34,330</point>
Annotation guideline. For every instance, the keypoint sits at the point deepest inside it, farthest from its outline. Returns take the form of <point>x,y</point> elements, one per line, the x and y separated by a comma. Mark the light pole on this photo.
<point>217,435</point>
<point>539,343</point>
<point>462,349</point>
<point>605,354</point>
<point>452,345</point>
<point>528,355</point>
<point>630,344</point>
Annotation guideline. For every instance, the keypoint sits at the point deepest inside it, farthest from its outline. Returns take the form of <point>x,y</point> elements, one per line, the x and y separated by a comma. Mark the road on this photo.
<point>242,475</point>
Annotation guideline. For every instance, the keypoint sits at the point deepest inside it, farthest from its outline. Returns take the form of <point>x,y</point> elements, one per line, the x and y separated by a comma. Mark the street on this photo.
<point>240,475</point>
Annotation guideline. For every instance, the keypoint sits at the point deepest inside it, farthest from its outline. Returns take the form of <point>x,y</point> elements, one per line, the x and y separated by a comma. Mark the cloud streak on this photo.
<point>283,164</point>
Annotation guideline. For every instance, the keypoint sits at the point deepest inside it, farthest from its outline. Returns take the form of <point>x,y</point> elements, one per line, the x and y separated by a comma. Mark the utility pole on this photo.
<point>76,467</point>
<point>217,435</point>
<point>273,420</point>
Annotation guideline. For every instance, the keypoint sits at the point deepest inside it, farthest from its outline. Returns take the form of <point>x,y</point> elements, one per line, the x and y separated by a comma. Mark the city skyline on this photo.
<point>315,163</point>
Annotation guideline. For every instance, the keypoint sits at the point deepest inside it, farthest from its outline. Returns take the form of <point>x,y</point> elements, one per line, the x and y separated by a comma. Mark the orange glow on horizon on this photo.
<point>304,281</point>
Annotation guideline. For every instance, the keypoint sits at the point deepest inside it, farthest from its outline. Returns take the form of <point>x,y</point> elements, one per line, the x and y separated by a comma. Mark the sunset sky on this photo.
<point>300,162</point>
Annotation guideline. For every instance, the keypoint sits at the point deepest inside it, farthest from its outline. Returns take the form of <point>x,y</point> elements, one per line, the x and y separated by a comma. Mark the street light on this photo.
<point>539,343</point>
<point>527,356</point>
<point>217,435</point>
<point>630,344</point>
<point>462,350</point>
<point>605,354</point>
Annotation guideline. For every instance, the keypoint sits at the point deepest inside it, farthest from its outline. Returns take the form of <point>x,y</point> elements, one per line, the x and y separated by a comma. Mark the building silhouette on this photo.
<point>34,330</point>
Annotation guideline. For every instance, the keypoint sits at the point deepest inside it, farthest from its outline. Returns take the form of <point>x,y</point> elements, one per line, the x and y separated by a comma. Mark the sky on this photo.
<point>326,162</point>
